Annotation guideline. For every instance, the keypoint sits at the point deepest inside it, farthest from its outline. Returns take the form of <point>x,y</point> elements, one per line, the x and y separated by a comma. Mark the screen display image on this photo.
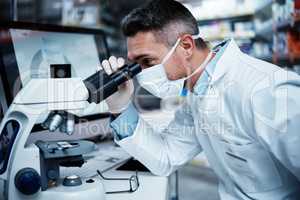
<point>36,51</point>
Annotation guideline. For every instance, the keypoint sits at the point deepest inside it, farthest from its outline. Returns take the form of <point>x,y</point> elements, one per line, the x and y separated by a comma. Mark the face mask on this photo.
<point>154,79</point>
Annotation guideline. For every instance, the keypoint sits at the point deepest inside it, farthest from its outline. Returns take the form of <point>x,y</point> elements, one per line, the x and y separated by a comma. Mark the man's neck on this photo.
<point>197,60</point>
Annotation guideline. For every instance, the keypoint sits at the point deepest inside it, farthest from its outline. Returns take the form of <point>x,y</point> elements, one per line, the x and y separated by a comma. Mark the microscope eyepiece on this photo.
<point>100,85</point>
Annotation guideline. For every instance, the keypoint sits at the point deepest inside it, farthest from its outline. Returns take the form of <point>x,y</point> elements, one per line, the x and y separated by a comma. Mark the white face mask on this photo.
<point>154,79</point>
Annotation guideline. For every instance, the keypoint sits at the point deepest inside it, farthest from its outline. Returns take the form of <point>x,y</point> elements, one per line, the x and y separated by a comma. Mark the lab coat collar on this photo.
<point>205,78</point>
<point>226,55</point>
<point>229,58</point>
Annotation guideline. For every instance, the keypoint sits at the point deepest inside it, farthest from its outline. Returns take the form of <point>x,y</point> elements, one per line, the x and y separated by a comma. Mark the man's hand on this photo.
<point>120,100</point>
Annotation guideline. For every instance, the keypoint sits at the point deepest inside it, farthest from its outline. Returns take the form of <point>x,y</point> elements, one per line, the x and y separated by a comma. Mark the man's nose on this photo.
<point>130,56</point>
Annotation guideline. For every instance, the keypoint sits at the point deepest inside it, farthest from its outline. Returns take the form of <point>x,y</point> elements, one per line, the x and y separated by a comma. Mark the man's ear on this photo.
<point>188,44</point>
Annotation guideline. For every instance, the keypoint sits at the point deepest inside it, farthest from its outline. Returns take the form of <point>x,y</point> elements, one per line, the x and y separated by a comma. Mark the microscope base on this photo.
<point>91,191</point>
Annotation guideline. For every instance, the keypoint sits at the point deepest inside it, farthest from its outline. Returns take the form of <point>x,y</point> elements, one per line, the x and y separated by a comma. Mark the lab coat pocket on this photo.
<point>251,167</point>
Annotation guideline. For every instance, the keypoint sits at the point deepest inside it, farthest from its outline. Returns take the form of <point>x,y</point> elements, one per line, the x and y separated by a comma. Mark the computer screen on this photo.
<point>36,50</point>
<point>31,51</point>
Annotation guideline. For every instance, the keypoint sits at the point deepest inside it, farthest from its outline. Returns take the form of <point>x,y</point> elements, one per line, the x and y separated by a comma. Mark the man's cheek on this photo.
<point>172,73</point>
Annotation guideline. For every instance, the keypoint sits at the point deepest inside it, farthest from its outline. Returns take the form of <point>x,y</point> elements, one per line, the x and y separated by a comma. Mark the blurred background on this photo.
<point>266,29</point>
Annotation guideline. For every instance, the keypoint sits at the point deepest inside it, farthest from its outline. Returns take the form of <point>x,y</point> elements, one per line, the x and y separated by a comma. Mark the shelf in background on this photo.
<point>265,33</point>
<point>237,36</point>
<point>265,58</point>
<point>284,60</point>
<point>285,25</point>
<point>265,9</point>
<point>280,1</point>
<point>233,18</point>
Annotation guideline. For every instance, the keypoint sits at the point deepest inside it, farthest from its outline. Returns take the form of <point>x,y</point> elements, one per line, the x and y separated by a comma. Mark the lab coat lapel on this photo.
<point>230,57</point>
<point>213,106</point>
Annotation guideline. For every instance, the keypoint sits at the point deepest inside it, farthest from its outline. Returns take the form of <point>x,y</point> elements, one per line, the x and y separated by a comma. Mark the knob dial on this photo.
<point>28,181</point>
<point>71,181</point>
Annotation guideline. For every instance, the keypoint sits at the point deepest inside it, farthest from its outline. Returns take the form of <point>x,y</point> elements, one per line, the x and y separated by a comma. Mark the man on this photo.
<point>243,113</point>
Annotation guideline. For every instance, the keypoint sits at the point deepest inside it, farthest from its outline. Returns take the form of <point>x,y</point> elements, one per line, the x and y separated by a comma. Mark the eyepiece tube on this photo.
<point>100,85</point>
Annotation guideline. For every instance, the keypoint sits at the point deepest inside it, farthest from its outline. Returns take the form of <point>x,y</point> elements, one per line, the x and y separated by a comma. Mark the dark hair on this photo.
<point>158,16</point>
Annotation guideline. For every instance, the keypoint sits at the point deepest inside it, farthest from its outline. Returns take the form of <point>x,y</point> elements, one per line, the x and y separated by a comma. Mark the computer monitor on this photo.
<point>30,50</point>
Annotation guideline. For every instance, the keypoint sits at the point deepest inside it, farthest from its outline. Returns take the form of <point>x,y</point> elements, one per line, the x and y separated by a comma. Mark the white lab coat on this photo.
<point>247,124</point>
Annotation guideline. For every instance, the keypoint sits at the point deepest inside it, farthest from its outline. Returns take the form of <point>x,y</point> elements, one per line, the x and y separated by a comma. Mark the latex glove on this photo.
<point>120,100</point>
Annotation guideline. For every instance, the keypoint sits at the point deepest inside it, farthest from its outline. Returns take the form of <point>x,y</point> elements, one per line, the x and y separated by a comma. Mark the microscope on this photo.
<point>32,171</point>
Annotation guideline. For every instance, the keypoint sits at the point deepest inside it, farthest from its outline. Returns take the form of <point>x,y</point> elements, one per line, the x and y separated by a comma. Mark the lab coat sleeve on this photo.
<point>163,152</point>
<point>276,114</point>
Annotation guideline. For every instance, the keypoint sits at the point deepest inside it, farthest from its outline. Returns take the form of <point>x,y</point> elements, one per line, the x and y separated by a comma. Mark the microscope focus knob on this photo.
<point>71,181</point>
<point>28,181</point>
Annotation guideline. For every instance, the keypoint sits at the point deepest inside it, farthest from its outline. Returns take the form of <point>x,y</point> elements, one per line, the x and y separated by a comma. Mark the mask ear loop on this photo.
<point>202,66</point>
<point>175,46</point>
<point>171,51</point>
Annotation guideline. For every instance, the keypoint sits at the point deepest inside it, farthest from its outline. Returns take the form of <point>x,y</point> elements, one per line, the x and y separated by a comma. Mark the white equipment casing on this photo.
<point>31,106</point>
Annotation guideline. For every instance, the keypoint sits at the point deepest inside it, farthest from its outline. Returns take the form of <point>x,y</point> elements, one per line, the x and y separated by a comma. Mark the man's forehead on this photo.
<point>141,38</point>
<point>141,43</point>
